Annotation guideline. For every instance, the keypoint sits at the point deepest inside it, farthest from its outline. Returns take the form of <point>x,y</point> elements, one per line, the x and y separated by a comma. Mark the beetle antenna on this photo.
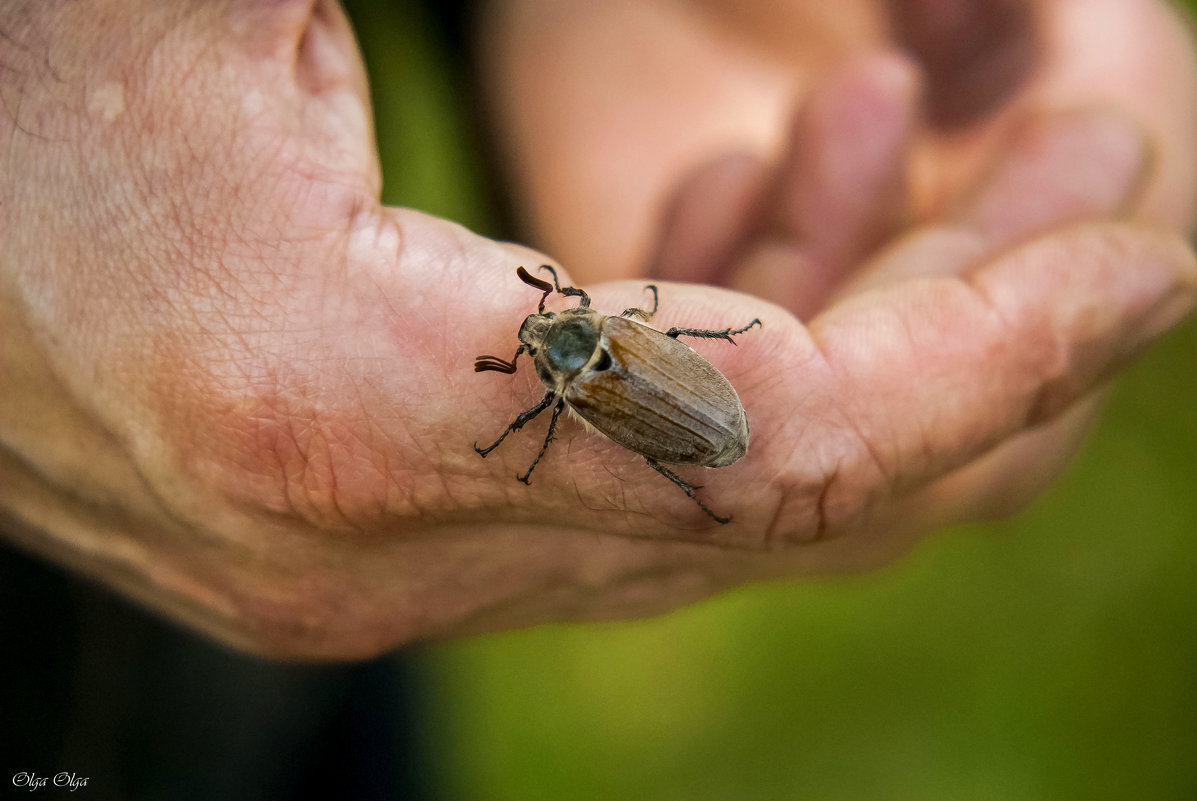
<point>484,363</point>
<point>531,280</point>
<point>543,286</point>
<point>569,290</point>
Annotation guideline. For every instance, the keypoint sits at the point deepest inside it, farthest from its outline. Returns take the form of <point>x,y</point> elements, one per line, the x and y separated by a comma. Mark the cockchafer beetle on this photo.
<point>641,387</point>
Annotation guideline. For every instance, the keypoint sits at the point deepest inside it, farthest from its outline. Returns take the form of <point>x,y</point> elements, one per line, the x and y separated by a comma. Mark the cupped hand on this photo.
<point>976,208</point>
<point>235,387</point>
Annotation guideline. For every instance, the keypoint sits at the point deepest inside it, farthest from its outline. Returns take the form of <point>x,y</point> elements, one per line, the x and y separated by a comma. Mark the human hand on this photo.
<point>238,389</point>
<point>952,209</point>
<point>231,384</point>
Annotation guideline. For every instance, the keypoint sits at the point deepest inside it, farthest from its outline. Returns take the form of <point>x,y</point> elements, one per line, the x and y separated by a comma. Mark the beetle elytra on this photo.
<point>641,387</point>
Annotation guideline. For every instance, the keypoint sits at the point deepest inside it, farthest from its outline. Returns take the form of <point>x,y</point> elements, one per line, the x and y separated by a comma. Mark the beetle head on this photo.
<point>533,330</point>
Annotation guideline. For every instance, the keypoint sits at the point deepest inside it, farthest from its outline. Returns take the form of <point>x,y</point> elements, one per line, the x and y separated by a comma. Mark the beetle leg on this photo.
<point>484,363</point>
<point>569,290</point>
<point>685,487</point>
<point>641,313</point>
<point>722,333</point>
<point>549,438</point>
<point>518,423</point>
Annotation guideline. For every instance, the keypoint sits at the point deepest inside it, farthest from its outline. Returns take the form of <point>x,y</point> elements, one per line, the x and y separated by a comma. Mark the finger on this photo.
<point>1061,168</point>
<point>276,29</point>
<point>1138,57</point>
<point>974,53</point>
<point>1057,169</point>
<point>988,61</point>
<point>326,53</point>
<point>707,220</point>
<point>838,192</point>
<point>929,375</point>
<point>312,37</point>
<point>298,57</point>
<point>1001,481</point>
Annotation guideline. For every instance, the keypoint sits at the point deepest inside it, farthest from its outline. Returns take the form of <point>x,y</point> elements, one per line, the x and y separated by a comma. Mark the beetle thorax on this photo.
<point>561,344</point>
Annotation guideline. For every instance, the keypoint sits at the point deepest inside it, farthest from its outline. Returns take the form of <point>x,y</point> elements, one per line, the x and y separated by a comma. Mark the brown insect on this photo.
<point>641,387</point>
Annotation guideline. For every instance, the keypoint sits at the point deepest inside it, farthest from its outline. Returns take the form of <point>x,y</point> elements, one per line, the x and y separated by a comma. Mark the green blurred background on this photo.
<point>1053,656</point>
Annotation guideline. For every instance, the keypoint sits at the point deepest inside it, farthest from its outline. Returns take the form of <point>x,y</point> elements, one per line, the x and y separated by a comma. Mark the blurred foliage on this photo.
<point>1053,656</point>
<point>423,121</point>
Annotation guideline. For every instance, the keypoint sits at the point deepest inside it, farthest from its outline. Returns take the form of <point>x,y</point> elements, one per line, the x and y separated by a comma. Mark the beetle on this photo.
<point>641,387</point>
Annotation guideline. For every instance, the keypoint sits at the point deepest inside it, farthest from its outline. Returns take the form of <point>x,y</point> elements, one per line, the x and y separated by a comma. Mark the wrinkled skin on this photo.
<point>235,387</point>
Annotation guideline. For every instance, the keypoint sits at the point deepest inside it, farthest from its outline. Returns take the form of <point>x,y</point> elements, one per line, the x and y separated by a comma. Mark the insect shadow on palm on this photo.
<point>641,387</point>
